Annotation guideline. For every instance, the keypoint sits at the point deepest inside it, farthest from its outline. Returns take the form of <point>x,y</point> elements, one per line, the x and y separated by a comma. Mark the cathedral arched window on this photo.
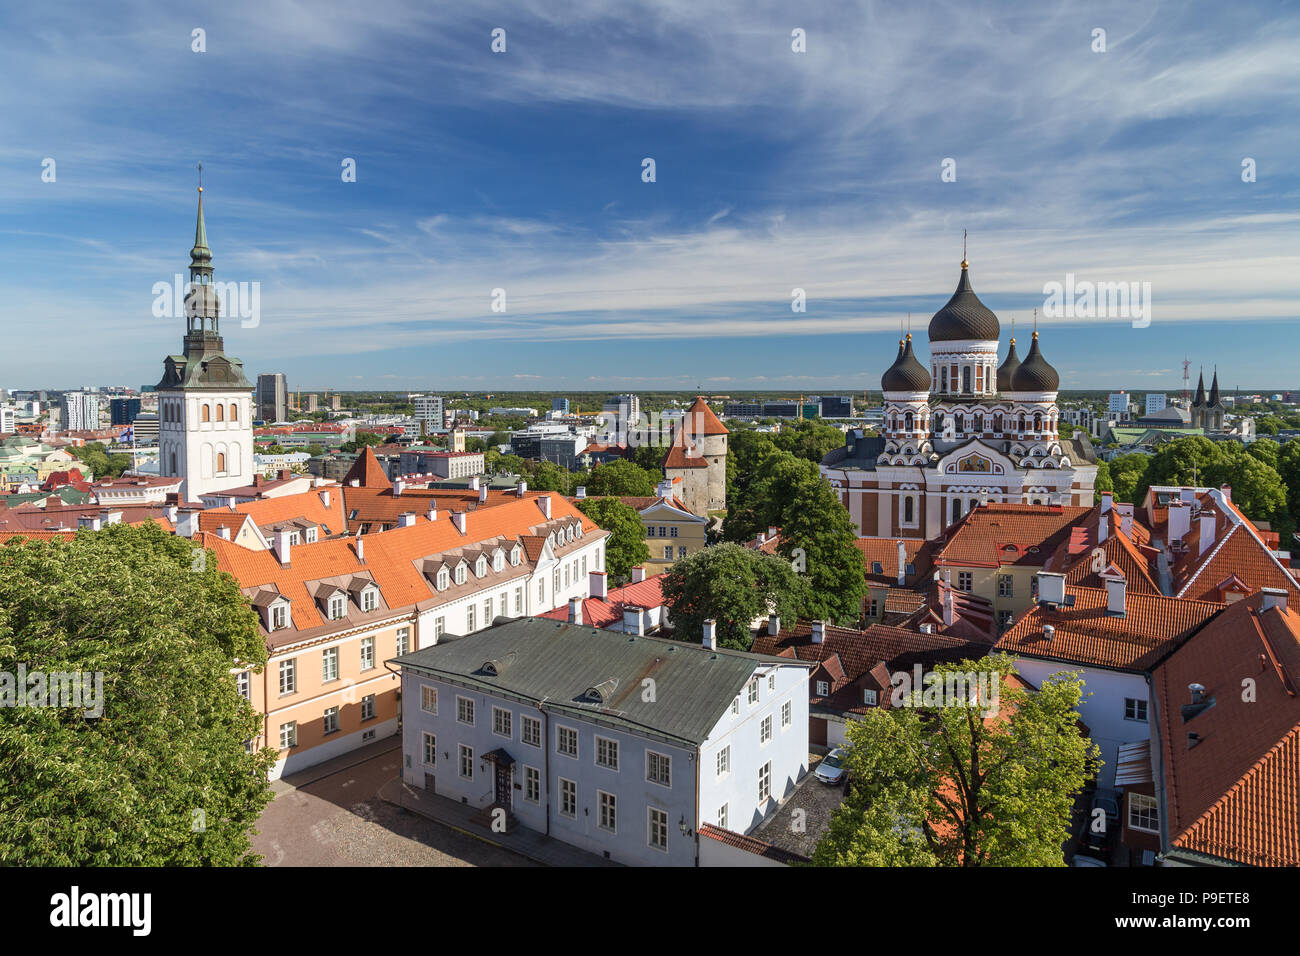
<point>909,509</point>
<point>206,414</point>
<point>908,422</point>
<point>997,422</point>
<point>1038,421</point>
<point>961,423</point>
<point>965,379</point>
<point>943,379</point>
<point>221,412</point>
<point>234,412</point>
<point>956,509</point>
<point>979,423</point>
<point>221,461</point>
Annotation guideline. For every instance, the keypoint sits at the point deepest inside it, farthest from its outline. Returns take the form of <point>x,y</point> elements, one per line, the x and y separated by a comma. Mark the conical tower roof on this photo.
<point>1214,390</point>
<point>1200,391</point>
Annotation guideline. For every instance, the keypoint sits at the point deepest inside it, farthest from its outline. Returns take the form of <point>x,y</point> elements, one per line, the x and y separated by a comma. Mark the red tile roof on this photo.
<point>1085,633</point>
<point>1236,793</point>
<point>367,471</point>
<point>1238,552</point>
<point>602,612</point>
<point>700,419</point>
<point>998,535</point>
<point>1075,557</point>
<point>751,845</point>
<point>916,551</point>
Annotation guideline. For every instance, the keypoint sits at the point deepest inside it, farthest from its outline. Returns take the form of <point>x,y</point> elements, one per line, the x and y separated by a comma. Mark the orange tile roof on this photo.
<point>683,454</point>
<point>916,551</point>
<point>393,557</point>
<point>602,612</point>
<point>998,535</point>
<point>368,471</point>
<point>1085,633</point>
<point>380,506</point>
<point>701,419</point>
<point>1237,552</point>
<point>1236,793</point>
<point>1075,557</point>
<point>269,511</point>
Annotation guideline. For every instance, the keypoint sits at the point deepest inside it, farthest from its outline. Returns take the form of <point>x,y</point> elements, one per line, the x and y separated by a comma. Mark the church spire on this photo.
<point>1214,389</point>
<point>200,255</point>
<point>1199,400</point>
<point>202,309</point>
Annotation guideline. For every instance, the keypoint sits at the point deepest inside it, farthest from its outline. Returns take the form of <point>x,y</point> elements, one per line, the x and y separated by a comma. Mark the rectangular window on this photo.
<point>659,768</point>
<point>785,714</point>
<point>753,691</point>
<point>735,707</point>
<point>964,580</point>
<point>289,735</point>
<point>658,826</point>
<point>607,753</point>
<point>279,617</point>
<point>288,676</point>
<point>469,619</point>
<point>329,666</point>
<point>1005,585</point>
<point>465,711</point>
<point>467,762</point>
<point>243,683</point>
<point>668,552</point>
<point>566,741</point>
<point>439,627</point>
<point>681,551</point>
<point>403,641</point>
<point>369,600</point>
<point>1135,708</point>
<point>532,785</point>
<point>765,782</point>
<point>672,532</point>
<point>430,749</point>
<point>541,594</point>
<point>337,606</point>
<point>429,700</point>
<point>501,725</point>
<point>1143,813</point>
<point>368,707</point>
<point>823,688</point>
<point>724,760</point>
<point>568,798</point>
<point>869,698</point>
<point>608,816</point>
<point>519,600</point>
<point>530,731</point>
<point>555,584</point>
<point>771,681</point>
<point>331,719</point>
<point>765,730</point>
<point>367,653</point>
<point>722,816</point>
<point>487,612</point>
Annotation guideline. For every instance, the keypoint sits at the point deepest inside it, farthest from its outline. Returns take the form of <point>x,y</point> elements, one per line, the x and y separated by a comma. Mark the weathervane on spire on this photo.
<point>200,177</point>
<point>964,263</point>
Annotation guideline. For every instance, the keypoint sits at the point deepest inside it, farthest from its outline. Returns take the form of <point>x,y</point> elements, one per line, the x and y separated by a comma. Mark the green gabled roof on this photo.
<point>546,660</point>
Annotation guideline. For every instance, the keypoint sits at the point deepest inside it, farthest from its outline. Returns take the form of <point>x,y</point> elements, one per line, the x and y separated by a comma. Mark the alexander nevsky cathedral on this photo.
<point>964,430</point>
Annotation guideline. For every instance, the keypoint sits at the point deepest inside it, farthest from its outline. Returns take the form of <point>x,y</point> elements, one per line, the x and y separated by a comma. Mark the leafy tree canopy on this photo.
<point>625,548</point>
<point>620,477</point>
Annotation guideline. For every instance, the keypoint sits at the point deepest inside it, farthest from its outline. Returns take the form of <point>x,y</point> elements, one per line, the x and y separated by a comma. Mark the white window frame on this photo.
<point>610,747</point>
<point>606,807</point>
<point>330,717</point>
<point>403,641</point>
<point>289,735</point>
<point>367,653</point>
<point>1139,705</point>
<point>568,795</point>
<point>666,762</point>
<point>561,731</point>
<point>532,784</point>
<point>244,684</point>
<point>823,688</point>
<point>289,677</point>
<point>428,695</point>
<point>501,717</point>
<point>329,656</point>
<point>765,731</point>
<point>338,606</point>
<point>657,819</point>
<point>787,715</point>
<point>368,707</point>
<point>430,749</point>
<point>765,783</point>
<point>370,599</point>
<point>1148,807</point>
<point>462,754</point>
<point>722,816</point>
<point>724,761</point>
<point>464,707</point>
<point>530,731</point>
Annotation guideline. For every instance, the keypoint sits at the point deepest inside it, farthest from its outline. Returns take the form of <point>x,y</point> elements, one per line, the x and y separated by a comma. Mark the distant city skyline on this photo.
<point>522,171</point>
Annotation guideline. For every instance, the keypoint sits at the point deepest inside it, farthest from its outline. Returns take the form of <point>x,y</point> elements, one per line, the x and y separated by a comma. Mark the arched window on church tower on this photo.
<point>221,462</point>
<point>221,412</point>
<point>979,423</point>
<point>908,422</point>
<point>909,510</point>
<point>997,422</point>
<point>205,415</point>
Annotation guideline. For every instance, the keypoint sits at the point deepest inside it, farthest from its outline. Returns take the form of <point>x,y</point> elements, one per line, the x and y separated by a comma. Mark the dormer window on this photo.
<point>337,606</point>
<point>480,566</point>
<point>279,616</point>
<point>311,535</point>
<point>294,537</point>
<point>514,556</point>
<point>498,560</point>
<point>444,579</point>
<point>460,573</point>
<point>577,529</point>
<point>370,598</point>
<point>869,698</point>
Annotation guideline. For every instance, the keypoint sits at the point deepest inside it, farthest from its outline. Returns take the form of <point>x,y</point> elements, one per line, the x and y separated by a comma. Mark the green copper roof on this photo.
<point>200,255</point>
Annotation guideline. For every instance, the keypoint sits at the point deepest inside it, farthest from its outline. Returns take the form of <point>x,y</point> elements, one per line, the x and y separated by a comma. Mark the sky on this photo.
<point>522,171</point>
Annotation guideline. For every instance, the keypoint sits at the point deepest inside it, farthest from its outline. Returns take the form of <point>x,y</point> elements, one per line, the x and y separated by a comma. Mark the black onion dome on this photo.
<point>965,316</point>
<point>1008,368</point>
<point>1034,374</point>
<point>906,374</point>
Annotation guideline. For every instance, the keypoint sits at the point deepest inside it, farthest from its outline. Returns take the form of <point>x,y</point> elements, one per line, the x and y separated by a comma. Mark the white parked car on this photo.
<point>831,769</point>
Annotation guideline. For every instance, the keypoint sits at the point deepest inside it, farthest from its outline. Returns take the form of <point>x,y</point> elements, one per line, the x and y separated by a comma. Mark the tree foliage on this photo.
<point>620,477</point>
<point>625,548</point>
<point>949,783</point>
<point>734,586</point>
<point>162,777</point>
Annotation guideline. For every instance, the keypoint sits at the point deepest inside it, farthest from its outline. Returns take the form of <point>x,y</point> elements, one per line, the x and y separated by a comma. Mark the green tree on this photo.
<point>1266,450</point>
<point>362,440</point>
<point>1257,488</point>
<point>651,458</point>
<point>734,586</point>
<point>810,440</point>
<point>162,777</point>
<point>1268,425</point>
<point>275,449</point>
<point>475,444</point>
<point>625,548</point>
<point>620,477</point>
<point>945,782</point>
<point>1125,473</point>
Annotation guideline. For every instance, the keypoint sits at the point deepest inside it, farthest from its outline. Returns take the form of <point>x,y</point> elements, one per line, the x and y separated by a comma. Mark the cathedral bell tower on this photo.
<point>205,409</point>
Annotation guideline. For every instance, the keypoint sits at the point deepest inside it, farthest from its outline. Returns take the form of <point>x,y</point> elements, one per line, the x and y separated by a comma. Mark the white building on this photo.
<point>620,745</point>
<point>1156,403</point>
<point>1118,403</point>
<point>205,402</point>
<point>429,411</point>
<point>80,411</point>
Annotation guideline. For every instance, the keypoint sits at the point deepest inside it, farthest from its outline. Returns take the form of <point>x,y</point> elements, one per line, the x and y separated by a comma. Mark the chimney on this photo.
<point>638,574</point>
<point>664,489</point>
<point>1107,501</point>
<point>1180,520</point>
<point>575,610</point>
<point>1206,539</point>
<point>433,513</point>
<point>1116,588</point>
<point>949,612</point>
<point>1227,491</point>
<point>773,625</point>
<point>902,563</point>
<point>187,524</point>
<point>1197,691</point>
<point>772,532</point>
<point>361,549</point>
<point>280,545</point>
<point>544,502</point>
<point>111,517</point>
<point>632,619</point>
<point>398,486</point>
<point>1273,598</point>
<point>355,482</point>
<point>285,474</point>
<point>325,498</point>
<point>1103,527</point>
<point>596,584</point>
<point>818,632</point>
<point>170,513</point>
<point>1051,587</point>
<point>473,482</point>
<point>521,488</point>
<point>1049,631</point>
<point>406,519</point>
<point>224,532</point>
<point>581,491</point>
<point>458,518</point>
<point>1187,495</point>
<point>1126,524</point>
<point>711,634</point>
<point>93,522</point>
<point>762,537</point>
<point>482,494</point>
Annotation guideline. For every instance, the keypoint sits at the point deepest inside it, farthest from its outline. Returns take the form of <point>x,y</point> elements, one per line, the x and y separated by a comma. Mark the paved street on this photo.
<point>338,821</point>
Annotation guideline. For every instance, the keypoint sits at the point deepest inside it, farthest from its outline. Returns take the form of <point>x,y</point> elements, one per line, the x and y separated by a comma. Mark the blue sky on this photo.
<point>522,171</point>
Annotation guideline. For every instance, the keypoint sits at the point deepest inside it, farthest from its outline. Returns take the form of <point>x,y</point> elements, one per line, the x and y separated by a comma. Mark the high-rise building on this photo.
<point>205,403</point>
<point>1156,403</point>
<point>560,405</point>
<point>80,411</point>
<point>1118,403</point>
<point>621,414</point>
<point>312,403</point>
<point>428,411</point>
<point>272,397</point>
<point>123,411</point>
